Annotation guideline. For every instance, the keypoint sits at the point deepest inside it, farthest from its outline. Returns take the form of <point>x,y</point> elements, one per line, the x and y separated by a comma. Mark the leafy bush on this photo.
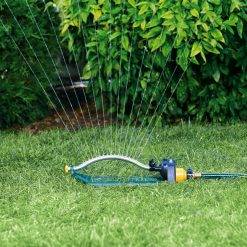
<point>205,38</point>
<point>21,97</point>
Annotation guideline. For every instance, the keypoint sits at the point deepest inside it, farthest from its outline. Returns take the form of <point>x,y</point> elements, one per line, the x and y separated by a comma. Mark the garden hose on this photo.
<point>167,171</point>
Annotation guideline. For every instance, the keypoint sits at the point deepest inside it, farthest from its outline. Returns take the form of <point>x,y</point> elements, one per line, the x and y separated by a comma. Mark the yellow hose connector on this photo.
<point>181,175</point>
<point>66,169</point>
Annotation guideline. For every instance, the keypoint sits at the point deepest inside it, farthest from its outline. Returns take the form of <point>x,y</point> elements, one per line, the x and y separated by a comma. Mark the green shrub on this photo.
<point>206,39</point>
<point>21,97</point>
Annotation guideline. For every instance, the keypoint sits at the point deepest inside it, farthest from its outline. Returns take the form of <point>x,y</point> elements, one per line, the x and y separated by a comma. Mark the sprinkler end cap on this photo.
<point>66,169</point>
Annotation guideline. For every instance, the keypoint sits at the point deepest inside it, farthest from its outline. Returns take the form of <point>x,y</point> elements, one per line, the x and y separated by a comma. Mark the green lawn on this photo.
<point>40,206</point>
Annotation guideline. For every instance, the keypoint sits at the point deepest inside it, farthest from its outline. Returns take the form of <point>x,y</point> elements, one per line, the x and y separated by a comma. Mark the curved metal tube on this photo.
<point>109,157</point>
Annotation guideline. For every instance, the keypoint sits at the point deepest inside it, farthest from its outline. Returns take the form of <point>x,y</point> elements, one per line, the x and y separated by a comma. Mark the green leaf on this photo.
<point>181,22</point>
<point>87,75</point>
<point>205,7</point>
<point>232,20</point>
<point>154,22</point>
<point>108,69</point>
<point>65,28</point>
<point>114,35</point>
<point>205,26</point>
<point>169,22</point>
<point>84,16</point>
<point>181,93</point>
<point>240,28</point>
<point>136,24</point>
<point>181,34</point>
<point>47,5</point>
<point>91,44</point>
<point>144,83</point>
<point>203,57</point>
<point>152,33</point>
<point>125,43</point>
<point>143,25</point>
<point>216,2</point>
<point>102,48</point>
<point>97,14</point>
<point>153,7</point>
<point>216,33</point>
<point>132,3</point>
<point>195,2</point>
<point>192,109</point>
<point>235,5</point>
<point>210,48</point>
<point>194,60</point>
<point>70,43</point>
<point>194,13</point>
<point>210,15</point>
<point>143,9</point>
<point>196,48</point>
<point>242,91</point>
<point>216,75</point>
<point>185,3</point>
<point>166,49</point>
<point>159,41</point>
<point>167,15</point>
<point>229,29</point>
<point>182,57</point>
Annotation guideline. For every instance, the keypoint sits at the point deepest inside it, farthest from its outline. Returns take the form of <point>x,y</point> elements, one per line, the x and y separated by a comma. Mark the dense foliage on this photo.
<point>205,38</point>
<point>21,97</point>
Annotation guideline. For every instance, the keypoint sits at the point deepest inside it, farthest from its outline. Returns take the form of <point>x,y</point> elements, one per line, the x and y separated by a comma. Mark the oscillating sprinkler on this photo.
<point>167,171</point>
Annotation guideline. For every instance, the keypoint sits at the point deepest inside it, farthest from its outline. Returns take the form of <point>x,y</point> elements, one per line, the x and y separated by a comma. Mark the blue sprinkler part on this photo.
<point>167,169</point>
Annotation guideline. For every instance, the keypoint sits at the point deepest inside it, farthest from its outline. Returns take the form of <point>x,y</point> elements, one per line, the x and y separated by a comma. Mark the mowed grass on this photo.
<point>40,206</point>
